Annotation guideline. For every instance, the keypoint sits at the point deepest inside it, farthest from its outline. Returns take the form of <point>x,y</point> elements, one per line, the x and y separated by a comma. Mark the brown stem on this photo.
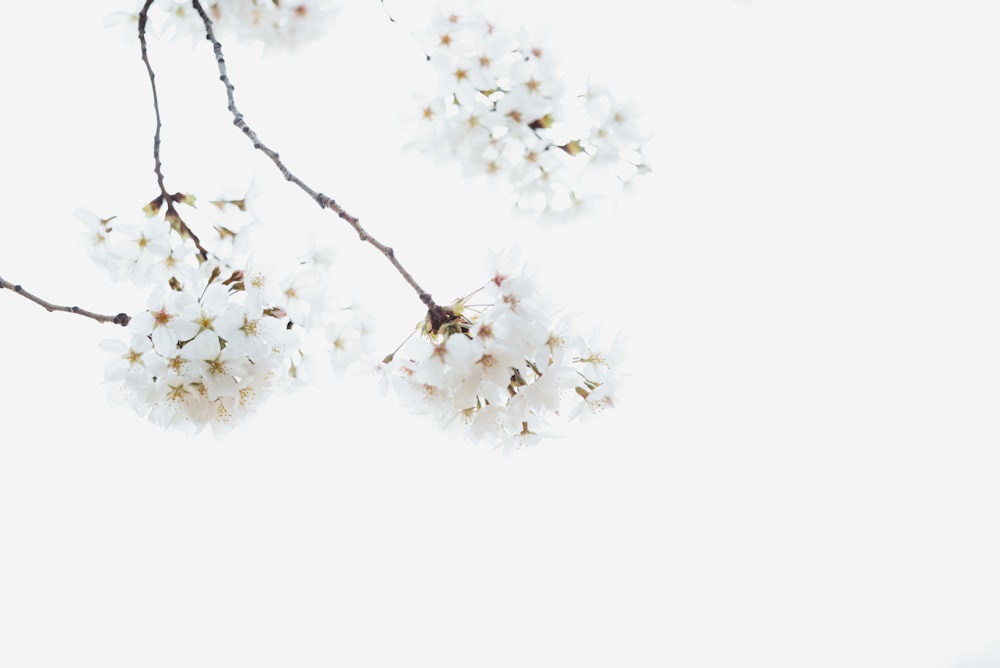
<point>120,319</point>
<point>321,199</point>
<point>164,198</point>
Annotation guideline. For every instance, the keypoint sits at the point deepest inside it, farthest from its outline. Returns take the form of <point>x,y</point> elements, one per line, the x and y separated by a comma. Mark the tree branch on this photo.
<point>120,319</point>
<point>321,199</point>
<point>164,197</point>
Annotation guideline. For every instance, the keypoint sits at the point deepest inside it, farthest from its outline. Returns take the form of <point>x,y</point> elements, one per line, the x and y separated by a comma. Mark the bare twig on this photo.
<point>436,312</point>
<point>120,319</point>
<point>386,10</point>
<point>392,19</point>
<point>164,197</point>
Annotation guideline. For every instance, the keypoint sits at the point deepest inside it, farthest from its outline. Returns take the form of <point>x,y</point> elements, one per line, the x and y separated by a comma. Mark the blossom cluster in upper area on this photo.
<point>500,364</point>
<point>501,108</point>
<point>274,23</point>
<point>220,331</point>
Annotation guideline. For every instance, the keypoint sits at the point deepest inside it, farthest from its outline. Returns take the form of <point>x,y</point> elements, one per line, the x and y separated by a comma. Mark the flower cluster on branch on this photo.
<point>223,328</point>
<point>502,109</point>
<point>282,24</point>
<point>503,364</point>
<point>219,335</point>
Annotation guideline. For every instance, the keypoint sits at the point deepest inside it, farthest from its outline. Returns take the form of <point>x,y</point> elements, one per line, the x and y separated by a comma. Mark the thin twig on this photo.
<point>164,198</point>
<point>386,10</point>
<point>392,19</point>
<point>120,319</point>
<point>436,312</point>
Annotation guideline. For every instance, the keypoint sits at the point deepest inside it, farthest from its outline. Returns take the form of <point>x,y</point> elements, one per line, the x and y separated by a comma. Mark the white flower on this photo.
<point>428,124</point>
<point>303,296</point>
<point>349,340</point>
<point>218,369</point>
<point>214,311</point>
<point>162,321</point>
<point>98,233</point>
<point>178,263</point>
<point>133,369</point>
<point>595,401</point>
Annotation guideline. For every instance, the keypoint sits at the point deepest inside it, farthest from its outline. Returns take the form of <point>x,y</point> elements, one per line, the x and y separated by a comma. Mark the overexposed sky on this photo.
<point>803,469</point>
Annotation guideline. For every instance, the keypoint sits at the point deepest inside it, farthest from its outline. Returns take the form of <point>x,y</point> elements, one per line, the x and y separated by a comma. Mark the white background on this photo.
<point>802,471</point>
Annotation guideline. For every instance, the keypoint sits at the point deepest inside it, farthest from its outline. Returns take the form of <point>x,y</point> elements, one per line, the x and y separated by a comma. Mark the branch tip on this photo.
<point>120,319</point>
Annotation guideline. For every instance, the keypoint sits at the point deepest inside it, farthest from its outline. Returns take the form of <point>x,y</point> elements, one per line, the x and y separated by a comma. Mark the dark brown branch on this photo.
<point>164,197</point>
<point>321,199</point>
<point>386,10</point>
<point>120,319</point>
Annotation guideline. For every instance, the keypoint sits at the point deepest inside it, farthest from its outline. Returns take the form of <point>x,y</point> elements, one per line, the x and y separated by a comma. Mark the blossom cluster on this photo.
<point>501,108</point>
<point>219,333</point>
<point>500,364</point>
<point>274,23</point>
<point>222,330</point>
<point>205,354</point>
